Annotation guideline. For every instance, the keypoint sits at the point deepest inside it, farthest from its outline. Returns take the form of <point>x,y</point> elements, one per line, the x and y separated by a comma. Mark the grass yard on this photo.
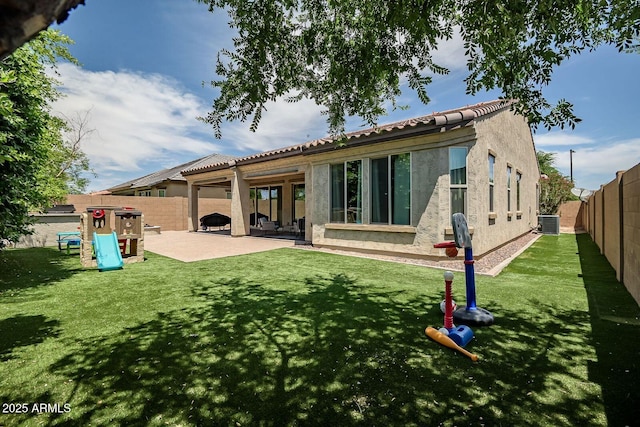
<point>293,337</point>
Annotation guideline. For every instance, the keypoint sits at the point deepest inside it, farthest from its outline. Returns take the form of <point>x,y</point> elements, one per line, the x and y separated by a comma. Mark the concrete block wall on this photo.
<point>612,215</point>
<point>611,224</point>
<point>47,227</point>
<point>170,213</point>
<point>631,231</point>
<point>571,216</point>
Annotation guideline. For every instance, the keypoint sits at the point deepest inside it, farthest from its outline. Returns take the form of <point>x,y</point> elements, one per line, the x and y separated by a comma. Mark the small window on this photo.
<point>458,179</point>
<point>518,179</point>
<point>162,192</point>
<point>492,162</point>
<point>144,193</point>
<point>509,170</point>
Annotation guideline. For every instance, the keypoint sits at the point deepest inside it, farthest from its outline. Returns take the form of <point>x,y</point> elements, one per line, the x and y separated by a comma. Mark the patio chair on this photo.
<point>267,226</point>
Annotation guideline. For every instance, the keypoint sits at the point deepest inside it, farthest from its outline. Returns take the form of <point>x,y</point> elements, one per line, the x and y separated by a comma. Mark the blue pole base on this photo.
<point>474,317</point>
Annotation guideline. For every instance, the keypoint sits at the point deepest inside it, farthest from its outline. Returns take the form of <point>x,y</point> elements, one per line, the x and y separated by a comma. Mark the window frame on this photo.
<point>356,216</point>
<point>390,190</point>
<point>492,165</point>
<point>518,191</point>
<point>509,174</point>
<point>463,186</point>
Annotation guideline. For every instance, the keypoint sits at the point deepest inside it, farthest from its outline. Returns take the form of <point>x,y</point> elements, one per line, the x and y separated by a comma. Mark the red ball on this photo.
<point>451,251</point>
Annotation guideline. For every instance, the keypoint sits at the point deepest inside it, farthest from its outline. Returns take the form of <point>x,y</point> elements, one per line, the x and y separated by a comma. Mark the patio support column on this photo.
<point>192,206</point>
<point>240,204</point>
<point>308,204</point>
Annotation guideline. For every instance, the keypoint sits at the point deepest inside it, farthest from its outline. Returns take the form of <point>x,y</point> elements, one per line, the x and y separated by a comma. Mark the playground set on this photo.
<point>111,237</point>
<point>470,315</point>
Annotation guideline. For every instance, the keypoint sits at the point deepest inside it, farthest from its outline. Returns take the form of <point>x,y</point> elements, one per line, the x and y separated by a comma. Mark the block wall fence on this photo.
<point>612,217</point>
<point>170,213</point>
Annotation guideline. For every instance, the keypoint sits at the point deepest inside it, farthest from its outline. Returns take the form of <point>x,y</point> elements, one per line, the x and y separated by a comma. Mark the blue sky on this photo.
<point>144,64</point>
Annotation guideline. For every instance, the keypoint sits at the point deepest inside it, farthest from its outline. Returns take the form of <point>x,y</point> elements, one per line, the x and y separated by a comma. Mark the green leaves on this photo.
<point>31,146</point>
<point>352,56</point>
<point>555,189</point>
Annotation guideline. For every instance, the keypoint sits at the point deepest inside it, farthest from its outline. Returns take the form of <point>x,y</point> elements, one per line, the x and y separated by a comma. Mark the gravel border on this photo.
<point>491,264</point>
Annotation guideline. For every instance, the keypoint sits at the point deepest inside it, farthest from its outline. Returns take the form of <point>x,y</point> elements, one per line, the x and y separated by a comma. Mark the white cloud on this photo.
<point>595,160</point>
<point>138,118</point>
<point>605,158</point>
<point>450,53</point>
<point>282,124</point>
<point>147,122</point>
<point>561,139</point>
<point>597,164</point>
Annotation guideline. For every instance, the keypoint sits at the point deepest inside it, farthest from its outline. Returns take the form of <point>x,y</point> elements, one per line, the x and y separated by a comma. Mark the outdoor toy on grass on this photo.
<point>461,335</point>
<point>441,338</point>
<point>469,314</point>
<point>111,236</point>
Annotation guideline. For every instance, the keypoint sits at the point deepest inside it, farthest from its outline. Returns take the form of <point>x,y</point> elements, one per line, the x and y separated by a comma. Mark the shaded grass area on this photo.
<point>293,337</point>
<point>615,327</point>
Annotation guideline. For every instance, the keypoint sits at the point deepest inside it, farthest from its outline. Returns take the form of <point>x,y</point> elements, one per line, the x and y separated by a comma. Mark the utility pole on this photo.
<point>571,163</point>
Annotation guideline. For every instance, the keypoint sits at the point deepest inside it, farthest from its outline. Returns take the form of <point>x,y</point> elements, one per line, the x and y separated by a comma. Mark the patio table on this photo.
<point>65,236</point>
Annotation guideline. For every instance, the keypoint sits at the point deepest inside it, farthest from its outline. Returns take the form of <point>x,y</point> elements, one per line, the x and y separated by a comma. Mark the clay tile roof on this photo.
<point>439,119</point>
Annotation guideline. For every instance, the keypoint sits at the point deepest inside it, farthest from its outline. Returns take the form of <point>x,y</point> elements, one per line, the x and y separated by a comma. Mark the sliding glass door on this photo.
<point>266,202</point>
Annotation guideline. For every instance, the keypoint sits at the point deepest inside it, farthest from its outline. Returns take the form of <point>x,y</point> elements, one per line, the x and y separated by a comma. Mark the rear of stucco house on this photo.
<point>392,189</point>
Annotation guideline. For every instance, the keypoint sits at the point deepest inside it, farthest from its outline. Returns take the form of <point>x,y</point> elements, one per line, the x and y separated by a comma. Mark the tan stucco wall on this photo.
<point>509,138</point>
<point>212,193</point>
<point>506,135</point>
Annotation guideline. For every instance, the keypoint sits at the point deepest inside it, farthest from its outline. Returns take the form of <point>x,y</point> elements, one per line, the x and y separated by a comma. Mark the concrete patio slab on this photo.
<point>197,246</point>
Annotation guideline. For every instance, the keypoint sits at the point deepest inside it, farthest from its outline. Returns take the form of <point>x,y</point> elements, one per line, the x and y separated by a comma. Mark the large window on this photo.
<point>346,192</point>
<point>492,162</point>
<point>509,170</point>
<point>458,179</point>
<point>391,189</point>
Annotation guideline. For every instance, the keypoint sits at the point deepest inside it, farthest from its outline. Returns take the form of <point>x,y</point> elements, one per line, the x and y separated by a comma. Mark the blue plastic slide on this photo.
<point>108,253</point>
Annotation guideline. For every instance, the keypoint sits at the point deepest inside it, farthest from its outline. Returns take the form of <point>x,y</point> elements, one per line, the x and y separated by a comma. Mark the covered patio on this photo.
<point>276,193</point>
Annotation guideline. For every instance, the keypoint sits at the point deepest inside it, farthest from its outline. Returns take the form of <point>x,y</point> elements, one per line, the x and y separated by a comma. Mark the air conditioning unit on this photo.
<point>549,224</point>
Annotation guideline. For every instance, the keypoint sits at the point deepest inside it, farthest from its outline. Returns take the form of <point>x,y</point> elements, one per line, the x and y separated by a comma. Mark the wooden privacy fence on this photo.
<point>612,217</point>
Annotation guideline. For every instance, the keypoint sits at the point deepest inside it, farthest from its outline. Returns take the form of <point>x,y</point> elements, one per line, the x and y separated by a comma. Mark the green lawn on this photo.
<point>294,337</point>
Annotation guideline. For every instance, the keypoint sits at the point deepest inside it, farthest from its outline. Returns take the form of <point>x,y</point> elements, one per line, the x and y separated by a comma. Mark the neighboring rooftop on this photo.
<point>171,174</point>
<point>436,121</point>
